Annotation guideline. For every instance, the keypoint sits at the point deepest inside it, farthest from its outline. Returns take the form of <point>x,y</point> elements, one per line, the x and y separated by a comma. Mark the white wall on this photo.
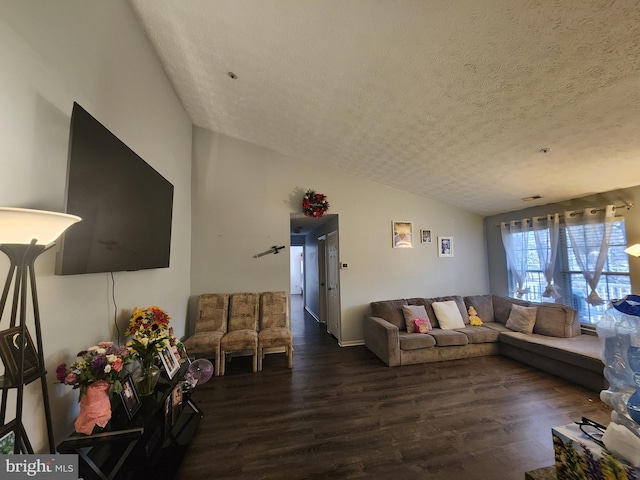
<point>92,52</point>
<point>243,196</point>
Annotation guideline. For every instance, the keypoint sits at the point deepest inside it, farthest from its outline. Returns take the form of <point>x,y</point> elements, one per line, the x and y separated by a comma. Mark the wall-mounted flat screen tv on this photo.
<point>125,205</point>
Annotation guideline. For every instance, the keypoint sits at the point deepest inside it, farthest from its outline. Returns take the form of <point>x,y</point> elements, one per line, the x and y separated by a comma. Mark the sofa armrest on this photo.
<point>381,337</point>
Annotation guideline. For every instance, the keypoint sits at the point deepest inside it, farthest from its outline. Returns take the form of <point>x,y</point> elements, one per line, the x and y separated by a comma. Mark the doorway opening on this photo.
<point>319,289</point>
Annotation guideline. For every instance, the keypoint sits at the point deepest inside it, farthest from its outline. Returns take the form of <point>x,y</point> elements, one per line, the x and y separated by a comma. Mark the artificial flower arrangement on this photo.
<point>314,204</point>
<point>150,330</point>
<point>104,361</point>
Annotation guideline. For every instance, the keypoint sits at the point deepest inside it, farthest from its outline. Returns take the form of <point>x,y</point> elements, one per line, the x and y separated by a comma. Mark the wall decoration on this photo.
<point>425,236</point>
<point>314,204</point>
<point>445,246</point>
<point>402,234</point>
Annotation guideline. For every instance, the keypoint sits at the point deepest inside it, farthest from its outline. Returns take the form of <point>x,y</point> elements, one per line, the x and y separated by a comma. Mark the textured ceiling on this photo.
<point>448,100</point>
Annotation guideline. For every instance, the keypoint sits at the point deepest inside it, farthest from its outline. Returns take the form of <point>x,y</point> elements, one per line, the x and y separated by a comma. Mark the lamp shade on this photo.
<point>633,250</point>
<point>22,225</point>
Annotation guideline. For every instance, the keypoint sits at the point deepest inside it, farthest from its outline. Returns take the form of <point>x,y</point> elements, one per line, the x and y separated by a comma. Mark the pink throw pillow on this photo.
<point>423,325</point>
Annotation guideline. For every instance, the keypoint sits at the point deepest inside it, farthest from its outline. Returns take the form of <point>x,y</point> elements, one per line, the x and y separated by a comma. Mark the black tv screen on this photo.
<point>125,205</point>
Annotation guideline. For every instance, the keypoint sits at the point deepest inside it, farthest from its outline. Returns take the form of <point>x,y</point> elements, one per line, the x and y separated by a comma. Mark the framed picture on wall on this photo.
<point>402,234</point>
<point>445,246</point>
<point>425,236</point>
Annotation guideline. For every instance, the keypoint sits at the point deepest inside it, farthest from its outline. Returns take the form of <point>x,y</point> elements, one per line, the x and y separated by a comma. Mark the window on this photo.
<point>614,283</point>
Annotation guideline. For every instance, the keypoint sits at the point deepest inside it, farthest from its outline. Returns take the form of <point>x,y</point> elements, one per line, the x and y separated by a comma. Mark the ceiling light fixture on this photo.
<point>232,75</point>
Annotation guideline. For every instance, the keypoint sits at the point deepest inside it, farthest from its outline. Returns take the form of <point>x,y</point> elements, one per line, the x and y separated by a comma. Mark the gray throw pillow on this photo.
<point>522,319</point>
<point>411,313</point>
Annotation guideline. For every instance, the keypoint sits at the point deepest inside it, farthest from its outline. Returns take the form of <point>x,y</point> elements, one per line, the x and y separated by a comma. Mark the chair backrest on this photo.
<point>243,311</point>
<point>213,311</point>
<point>274,310</point>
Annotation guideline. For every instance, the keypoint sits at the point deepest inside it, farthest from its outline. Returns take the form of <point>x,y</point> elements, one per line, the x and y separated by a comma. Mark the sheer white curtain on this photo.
<point>546,231</point>
<point>590,234</point>
<point>515,238</point>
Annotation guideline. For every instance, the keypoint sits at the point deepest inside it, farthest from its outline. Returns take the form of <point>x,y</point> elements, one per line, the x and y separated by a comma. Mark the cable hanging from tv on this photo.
<point>273,250</point>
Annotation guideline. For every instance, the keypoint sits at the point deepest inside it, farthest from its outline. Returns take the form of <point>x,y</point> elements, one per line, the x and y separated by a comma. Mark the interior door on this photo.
<point>333,285</point>
<point>322,280</point>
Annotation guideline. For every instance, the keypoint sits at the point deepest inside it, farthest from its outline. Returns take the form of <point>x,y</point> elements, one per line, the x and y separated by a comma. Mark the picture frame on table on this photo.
<point>445,246</point>
<point>176,403</point>
<point>129,396</point>
<point>169,361</point>
<point>10,354</point>
<point>425,236</point>
<point>8,438</point>
<point>168,415</point>
<point>402,234</point>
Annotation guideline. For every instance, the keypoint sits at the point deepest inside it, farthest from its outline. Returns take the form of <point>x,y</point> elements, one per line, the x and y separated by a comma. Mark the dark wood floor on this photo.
<point>341,413</point>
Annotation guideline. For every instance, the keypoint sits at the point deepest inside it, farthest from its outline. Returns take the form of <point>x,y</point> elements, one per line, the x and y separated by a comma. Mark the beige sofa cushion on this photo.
<point>483,305</point>
<point>502,307</point>
<point>521,319</point>
<point>480,334</point>
<point>555,320</point>
<point>415,341</point>
<point>447,338</point>
<point>391,311</point>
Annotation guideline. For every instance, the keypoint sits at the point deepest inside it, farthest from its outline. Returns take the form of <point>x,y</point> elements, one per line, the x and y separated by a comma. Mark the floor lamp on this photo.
<point>24,235</point>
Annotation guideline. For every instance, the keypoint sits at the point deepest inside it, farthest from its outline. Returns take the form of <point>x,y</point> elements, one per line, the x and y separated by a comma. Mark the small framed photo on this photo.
<point>7,438</point>
<point>445,246</point>
<point>169,361</point>
<point>129,396</point>
<point>168,420</point>
<point>176,403</point>
<point>10,353</point>
<point>402,234</point>
<point>425,236</point>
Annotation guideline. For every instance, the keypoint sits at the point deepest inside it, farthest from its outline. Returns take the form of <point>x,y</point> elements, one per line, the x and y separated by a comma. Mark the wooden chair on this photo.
<point>275,331</point>
<point>242,333</point>
<point>211,325</point>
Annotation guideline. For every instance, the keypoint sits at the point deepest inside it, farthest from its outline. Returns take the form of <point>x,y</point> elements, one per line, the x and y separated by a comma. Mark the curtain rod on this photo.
<point>628,206</point>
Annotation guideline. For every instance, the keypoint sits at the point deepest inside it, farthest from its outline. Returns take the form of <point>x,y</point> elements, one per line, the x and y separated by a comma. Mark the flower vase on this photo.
<point>95,407</point>
<point>147,379</point>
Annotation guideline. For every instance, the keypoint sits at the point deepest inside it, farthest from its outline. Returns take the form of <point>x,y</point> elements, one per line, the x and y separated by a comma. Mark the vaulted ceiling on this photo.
<point>476,103</point>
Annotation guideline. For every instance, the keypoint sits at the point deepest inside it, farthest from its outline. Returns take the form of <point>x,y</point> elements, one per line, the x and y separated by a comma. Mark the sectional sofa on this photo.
<point>550,338</point>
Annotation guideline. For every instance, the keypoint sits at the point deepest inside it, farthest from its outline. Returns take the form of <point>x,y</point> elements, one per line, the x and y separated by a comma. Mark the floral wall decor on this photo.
<point>314,204</point>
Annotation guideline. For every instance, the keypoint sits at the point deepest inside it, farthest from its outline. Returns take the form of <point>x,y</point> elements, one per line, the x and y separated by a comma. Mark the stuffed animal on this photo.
<point>473,317</point>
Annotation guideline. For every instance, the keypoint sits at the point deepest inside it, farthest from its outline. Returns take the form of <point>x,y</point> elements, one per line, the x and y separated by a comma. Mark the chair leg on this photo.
<point>217,365</point>
<point>221,361</point>
<point>290,355</point>
<point>255,360</point>
<point>260,358</point>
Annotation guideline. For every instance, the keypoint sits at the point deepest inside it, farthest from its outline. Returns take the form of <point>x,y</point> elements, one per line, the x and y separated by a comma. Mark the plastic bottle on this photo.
<point>619,331</point>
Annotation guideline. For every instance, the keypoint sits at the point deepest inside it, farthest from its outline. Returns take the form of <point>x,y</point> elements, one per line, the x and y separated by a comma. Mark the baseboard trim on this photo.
<point>306,309</point>
<point>351,343</point>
